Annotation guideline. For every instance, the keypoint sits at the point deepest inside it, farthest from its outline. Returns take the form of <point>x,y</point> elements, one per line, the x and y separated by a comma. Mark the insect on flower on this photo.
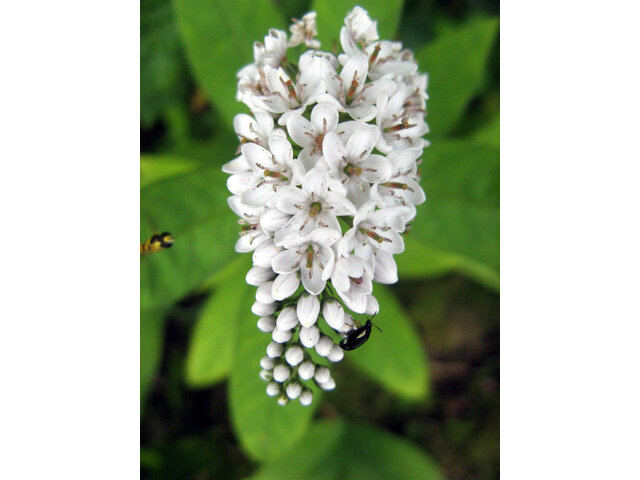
<point>157,242</point>
<point>356,338</point>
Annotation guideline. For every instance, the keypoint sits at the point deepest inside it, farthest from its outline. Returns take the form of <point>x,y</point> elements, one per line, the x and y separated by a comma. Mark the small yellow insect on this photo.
<point>156,243</point>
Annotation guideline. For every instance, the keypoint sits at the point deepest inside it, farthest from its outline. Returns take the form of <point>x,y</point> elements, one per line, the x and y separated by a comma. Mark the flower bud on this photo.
<point>266,375</point>
<point>322,374</point>
<point>266,324</point>
<point>274,350</point>
<point>329,384</point>
<point>263,309</point>
<point>336,354</point>
<point>307,309</point>
<point>294,355</point>
<point>281,336</point>
<point>294,390</point>
<point>273,389</point>
<point>306,397</point>
<point>281,373</point>
<point>324,345</point>
<point>309,336</point>
<point>333,314</point>
<point>285,285</point>
<point>287,319</point>
<point>267,363</point>
<point>256,276</point>
<point>306,370</point>
<point>263,294</point>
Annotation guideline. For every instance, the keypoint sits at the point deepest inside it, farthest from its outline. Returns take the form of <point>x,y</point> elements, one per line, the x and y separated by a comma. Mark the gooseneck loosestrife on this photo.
<point>325,183</point>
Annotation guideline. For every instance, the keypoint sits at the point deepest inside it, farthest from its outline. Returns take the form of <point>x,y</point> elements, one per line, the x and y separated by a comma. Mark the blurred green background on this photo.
<point>420,400</point>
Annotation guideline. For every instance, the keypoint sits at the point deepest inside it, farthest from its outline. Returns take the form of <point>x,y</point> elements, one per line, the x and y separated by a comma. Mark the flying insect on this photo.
<point>157,242</point>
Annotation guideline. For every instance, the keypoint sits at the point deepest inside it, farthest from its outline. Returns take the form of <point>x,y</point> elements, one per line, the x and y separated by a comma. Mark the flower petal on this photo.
<point>338,204</point>
<point>362,142</point>
<point>333,151</point>
<point>292,200</point>
<point>259,158</point>
<point>386,270</point>
<point>316,183</point>
<point>324,117</point>
<point>281,150</point>
<point>376,169</point>
<point>287,261</point>
<point>301,130</point>
<point>312,278</point>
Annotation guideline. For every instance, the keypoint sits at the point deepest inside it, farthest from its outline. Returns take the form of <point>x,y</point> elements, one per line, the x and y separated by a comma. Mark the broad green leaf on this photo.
<point>155,167</point>
<point>489,134</point>
<point>394,358</point>
<point>194,209</point>
<point>210,354</point>
<point>151,326</point>
<point>163,66</point>
<point>336,450</point>
<point>462,212</point>
<point>456,62</point>
<point>219,38</point>
<point>422,261</point>
<point>264,428</point>
<point>331,17</point>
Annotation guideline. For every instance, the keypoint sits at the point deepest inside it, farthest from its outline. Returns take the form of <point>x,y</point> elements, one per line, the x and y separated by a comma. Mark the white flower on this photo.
<point>256,130</point>
<point>294,199</point>
<point>402,188</point>
<point>274,50</point>
<point>311,254</point>
<point>310,134</point>
<point>352,278</point>
<point>251,233</point>
<point>360,26</point>
<point>354,165</point>
<point>312,206</point>
<point>304,31</point>
<point>271,167</point>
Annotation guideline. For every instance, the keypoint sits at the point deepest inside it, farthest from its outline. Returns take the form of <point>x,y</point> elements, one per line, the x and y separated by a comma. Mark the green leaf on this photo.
<point>151,327</point>
<point>355,451</point>
<point>456,62</point>
<point>489,134</point>
<point>331,17</point>
<point>265,429</point>
<point>219,38</point>
<point>154,168</point>
<point>422,261</point>
<point>210,354</point>
<point>163,68</point>
<point>394,358</point>
<point>194,209</point>
<point>462,212</point>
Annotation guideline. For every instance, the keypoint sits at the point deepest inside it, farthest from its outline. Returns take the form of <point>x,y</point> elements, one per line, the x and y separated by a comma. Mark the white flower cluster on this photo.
<point>325,183</point>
